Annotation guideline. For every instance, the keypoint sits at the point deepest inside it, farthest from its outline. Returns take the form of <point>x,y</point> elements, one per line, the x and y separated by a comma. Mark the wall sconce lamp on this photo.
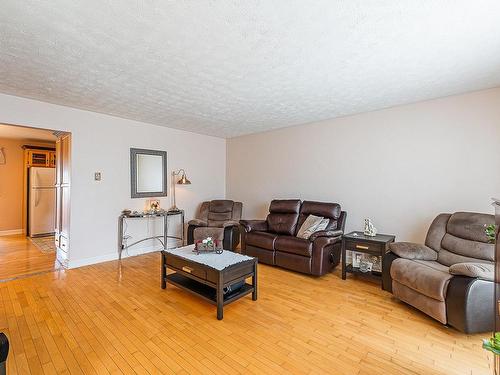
<point>182,181</point>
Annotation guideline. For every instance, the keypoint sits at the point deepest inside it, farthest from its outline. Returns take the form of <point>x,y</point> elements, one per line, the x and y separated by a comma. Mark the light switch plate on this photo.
<point>97,176</point>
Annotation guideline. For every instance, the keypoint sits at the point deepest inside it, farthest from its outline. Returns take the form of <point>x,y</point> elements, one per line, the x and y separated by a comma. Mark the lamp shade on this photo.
<point>183,180</point>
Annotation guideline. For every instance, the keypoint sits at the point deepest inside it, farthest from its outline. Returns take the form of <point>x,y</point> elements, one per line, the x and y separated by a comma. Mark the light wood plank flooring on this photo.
<point>106,319</point>
<point>20,257</point>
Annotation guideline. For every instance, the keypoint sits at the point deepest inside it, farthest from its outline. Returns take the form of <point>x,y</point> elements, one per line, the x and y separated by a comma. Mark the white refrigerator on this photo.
<point>41,201</point>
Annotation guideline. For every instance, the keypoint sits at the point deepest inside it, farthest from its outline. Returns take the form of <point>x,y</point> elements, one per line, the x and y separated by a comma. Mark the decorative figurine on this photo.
<point>370,230</point>
<point>154,205</point>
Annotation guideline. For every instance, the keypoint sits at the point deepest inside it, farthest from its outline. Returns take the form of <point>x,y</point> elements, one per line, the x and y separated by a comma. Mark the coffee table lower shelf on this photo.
<point>207,292</point>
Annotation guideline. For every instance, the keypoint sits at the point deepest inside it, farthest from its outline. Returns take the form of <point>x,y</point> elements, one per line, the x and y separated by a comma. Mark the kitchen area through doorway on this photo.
<point>33,200</point>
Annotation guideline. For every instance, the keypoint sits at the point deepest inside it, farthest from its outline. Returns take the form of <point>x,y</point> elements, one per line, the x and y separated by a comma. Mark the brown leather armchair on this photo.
<point>218,219</point>
<point>274,240</point>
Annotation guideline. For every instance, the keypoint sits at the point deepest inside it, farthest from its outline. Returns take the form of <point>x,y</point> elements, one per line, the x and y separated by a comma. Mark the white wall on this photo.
<point>102,143</point>
<point>400,166</point>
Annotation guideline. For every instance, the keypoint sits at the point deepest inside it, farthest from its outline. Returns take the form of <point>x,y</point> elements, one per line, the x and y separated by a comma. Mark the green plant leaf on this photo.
<point>490,231</point>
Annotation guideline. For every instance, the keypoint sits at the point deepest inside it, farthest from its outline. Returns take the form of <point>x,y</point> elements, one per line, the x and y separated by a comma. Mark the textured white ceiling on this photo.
<point>227,68</point>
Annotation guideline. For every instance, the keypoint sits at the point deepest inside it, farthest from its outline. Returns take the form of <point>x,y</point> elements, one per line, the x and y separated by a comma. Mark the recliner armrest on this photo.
<point>254,225</point>
<point>481,271</point>
<point>198,223</point>
<point>470,304</point>
<point>409,250</point>
<point>325,233</point>
<point>230,223</point>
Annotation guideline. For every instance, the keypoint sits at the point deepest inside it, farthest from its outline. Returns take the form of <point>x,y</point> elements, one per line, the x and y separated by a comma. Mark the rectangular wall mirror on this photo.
<point>148,172</point>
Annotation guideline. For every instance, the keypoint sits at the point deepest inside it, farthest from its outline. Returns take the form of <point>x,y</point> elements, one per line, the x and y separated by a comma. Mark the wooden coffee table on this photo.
<point>207,275</point>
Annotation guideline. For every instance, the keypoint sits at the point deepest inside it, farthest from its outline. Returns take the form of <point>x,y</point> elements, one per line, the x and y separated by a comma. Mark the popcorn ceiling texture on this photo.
<point>228,68</point>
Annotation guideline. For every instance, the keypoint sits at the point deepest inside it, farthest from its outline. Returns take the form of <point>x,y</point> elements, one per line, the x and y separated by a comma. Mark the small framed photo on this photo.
<point>356,259</point>
<point>377,263</point>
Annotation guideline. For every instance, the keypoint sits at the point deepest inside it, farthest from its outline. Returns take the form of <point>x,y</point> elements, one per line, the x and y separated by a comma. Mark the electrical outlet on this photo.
<point>97,176</point>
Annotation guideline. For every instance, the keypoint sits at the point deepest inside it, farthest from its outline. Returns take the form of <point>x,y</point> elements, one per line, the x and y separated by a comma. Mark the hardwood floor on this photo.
<point>107,319</point>
<point>20,257</point>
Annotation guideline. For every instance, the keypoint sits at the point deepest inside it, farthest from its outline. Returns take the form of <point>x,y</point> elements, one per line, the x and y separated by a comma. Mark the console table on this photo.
<point>142,215</point>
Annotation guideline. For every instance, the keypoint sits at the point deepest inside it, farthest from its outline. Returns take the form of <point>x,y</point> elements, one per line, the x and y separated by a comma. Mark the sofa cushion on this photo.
<point>330,211</point>
<point>282,223</point>
<point>293,245</point>
<point>426,277</point>
<point>409,250</point>
<point>430,306</point>
<point>480,270</point>
<point>219,211</point>
<point>264,255</point>
<point>459,250</point>
<point>200,233</point>
<point>283,216</point>
<point>293,262</point>
<point>469,225</point>
<point>221,206</point>
<point>198,222</point>
<point>433,264</point>
<point>465,239</point>
<point>261,239</point>
<point>436,231</point>
<point>285,206</point>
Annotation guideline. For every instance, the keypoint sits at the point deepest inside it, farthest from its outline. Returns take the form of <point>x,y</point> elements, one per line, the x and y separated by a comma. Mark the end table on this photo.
<point>357,241</point>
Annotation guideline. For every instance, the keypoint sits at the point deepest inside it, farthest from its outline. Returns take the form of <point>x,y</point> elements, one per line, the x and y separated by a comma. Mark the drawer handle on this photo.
<point>187,269</point>
<point>362,247</point>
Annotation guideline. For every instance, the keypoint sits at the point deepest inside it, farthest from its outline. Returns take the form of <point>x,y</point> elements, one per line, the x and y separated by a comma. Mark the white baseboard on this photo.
<point>110,256</point>
<point>11,232</point>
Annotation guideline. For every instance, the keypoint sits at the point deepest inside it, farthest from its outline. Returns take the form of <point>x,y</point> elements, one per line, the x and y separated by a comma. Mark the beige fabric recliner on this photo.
<point>450,278</point>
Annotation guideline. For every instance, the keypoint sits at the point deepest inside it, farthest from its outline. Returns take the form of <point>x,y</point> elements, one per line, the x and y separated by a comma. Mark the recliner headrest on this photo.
<point>221,205</point>
<point>284,206</point>
<point>469,225</point>
<point>327,210</point>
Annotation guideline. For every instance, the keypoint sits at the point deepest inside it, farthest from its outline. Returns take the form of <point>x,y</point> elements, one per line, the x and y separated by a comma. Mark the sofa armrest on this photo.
<point>326,233</point>
<point>254,225</point>
<point>198,223</point>
<point>409,250</point>
<point>481,271</point>
<point>387,260</point>
<point>230,223</point>
<point>470,304</point>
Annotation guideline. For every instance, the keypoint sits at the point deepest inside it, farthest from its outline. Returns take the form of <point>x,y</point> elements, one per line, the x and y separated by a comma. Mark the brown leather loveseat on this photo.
<point>273,241</point>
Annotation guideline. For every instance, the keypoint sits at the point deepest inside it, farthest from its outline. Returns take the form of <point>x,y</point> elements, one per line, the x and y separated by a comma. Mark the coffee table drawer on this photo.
<point>365,247</point>
<point>186,266</point>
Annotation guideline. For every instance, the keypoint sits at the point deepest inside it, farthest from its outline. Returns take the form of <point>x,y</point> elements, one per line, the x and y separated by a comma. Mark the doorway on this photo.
<point>30,201</point>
